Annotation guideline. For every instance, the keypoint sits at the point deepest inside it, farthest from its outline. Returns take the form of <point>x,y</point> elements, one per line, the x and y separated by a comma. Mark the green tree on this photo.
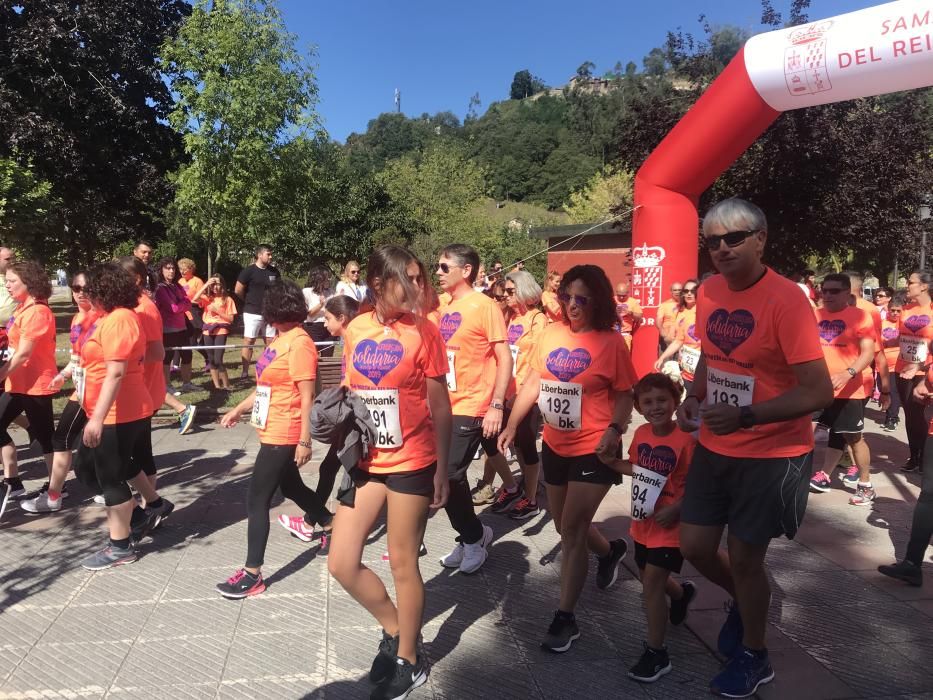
<point>524,84</point>
<point>606,193</point>
<point>585,70</point>
<point>242,91</point>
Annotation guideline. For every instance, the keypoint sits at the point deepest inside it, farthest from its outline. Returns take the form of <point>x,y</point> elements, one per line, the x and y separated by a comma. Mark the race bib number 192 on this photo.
<point>561,404</point>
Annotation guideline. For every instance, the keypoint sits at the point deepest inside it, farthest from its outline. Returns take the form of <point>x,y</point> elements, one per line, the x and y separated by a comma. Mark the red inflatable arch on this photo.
<point>882,49</point>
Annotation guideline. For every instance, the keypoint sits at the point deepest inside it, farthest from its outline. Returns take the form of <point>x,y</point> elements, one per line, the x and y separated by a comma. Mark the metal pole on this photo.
<point>923,250</point>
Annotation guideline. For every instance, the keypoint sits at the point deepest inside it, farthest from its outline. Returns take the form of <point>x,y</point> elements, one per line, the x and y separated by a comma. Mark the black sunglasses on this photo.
<point>77,288</point>
<point>577,299</point>
<point>445,268</point>
<point>692,290</point>
<point>733,239</point>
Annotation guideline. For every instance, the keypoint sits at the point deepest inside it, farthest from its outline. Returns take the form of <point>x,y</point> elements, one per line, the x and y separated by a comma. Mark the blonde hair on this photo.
<point>346,271</point>
<point>185,264</point>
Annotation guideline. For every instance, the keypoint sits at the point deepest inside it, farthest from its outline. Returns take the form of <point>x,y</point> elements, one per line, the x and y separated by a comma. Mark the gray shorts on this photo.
<point>758,498</point>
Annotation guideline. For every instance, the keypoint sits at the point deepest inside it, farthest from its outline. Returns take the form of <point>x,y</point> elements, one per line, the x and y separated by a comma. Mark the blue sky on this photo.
<point>440,53</point>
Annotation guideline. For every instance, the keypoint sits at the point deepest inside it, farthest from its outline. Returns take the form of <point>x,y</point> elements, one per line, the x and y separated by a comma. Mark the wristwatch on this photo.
<point>746,417</point>
<point>617,428</point>
<point>851,371</point>
<point>496,404</point>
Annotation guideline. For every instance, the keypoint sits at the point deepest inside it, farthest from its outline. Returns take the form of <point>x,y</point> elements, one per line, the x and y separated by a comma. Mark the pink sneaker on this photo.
<point>851,476</point>
<point>297,526</point>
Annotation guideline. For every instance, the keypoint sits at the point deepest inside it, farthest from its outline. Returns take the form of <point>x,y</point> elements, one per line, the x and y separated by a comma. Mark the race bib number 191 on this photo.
<point>384,410</point>
<point>725,387</point>
<point>561,404</point>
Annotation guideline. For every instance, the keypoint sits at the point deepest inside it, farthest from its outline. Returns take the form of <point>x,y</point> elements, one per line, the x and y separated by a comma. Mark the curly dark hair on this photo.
<point>111,286</point>
<point>656,380</point>
<point>601,304</point>
<point>33,276</point>
<point>320,279</point>
<point>136,269</point>
<point>283,302</point>
<point>168,260</point>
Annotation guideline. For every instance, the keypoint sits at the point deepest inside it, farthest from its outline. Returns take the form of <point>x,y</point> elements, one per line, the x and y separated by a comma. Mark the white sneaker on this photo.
<point>41,504</point>
<point>474,555</point>
<point>454,559</point>
<point>99,500</point>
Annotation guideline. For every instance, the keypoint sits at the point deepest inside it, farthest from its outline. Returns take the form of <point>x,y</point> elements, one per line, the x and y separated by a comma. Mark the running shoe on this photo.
<point>504,500</point>
<point>475,555</point>
<point>109,557</point>
<point>890,426</point>
<point>99,500</point>
<point>524,509</point>
<point>41,504</point>
<point>384,663</point>
<point>452,560</point>
<point>241,585</point>
<point>142,522</point>
<point>403,679</point>
<point>187,418</point>
<point>323,548</point>
<point>4,497</point>
<point>903,571</point>
<point>911,465</point>
<point>562,633</point>
<point>653,664</point>
<point>15,487</point>
<point>607,567</point>
<point>680,607</point>
<point>864,496</point>
<point>483,494</point>
<point>850,478</point>
<point>297,526</point>
<point>743,674</point>
<point>731,632</point>
<point>188,387</point>
<point>44,489</point>
<point>161,513</point>
<point>820,482</point>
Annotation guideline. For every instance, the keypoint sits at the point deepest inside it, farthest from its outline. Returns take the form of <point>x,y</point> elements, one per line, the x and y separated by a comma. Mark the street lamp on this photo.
<point>925,215</point>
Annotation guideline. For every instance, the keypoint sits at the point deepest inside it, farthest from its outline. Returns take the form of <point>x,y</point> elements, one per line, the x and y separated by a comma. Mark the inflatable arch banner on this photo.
<point>878,50</point>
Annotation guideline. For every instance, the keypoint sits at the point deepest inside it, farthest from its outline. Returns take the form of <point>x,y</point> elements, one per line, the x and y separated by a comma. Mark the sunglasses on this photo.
<point>445,268</point>
<point>577,299</point>
<point>733,239</point>
<point>354,272</point>
<point>500,297</point>
<point>690,291</point>
<point>77,288</point>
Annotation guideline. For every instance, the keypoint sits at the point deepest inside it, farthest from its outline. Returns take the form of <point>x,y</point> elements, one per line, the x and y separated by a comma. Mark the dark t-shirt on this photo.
<point>256,279</point>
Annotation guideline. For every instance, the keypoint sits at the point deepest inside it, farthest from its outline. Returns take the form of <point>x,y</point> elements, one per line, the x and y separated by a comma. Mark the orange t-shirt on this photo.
<point>875,316</point>
<point>444,298</point>
<point>750,339</point>
<point>840,336</point>
<point>626,312</point>
<point>151,322</point>
<point>82,325</point>
<point>191,288</point>
<point>470,327</point>
<point>551,305</point>
<point>580,375</point>
<point>660,463</point>
<point>890,339</point>
<point>388,367</point>
<point>117,336</point>
<point>218,310</point>
<point>916,332</point>
<point>289,359</point>
<point>685,330</point>
<point>33,321</point>
<point>522,333</point>
<point>666,315</point>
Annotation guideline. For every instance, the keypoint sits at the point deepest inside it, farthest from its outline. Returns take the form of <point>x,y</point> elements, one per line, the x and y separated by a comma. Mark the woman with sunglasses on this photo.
<point>686,343</point>
<point>890,340</point>
<point>581,378</point>
<point>883,297</point>
<point>349,283</point>
<point>916,332</point>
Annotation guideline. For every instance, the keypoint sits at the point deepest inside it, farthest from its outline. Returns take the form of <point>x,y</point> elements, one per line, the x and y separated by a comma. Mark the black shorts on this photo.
<point>844,416</point>
<point>416,483</point>
<point>668,558</point>
<point>466,437</point>
<point>759,499</point>
<point>142,459</point>
<point>68,432</point>
<point>587,469</point>
<point>105,468</point>
<point>526,434</point>
<point>38,410</point>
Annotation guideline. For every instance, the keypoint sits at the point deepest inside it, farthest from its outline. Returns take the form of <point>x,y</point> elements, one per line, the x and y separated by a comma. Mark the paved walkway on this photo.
<point>157,628</point>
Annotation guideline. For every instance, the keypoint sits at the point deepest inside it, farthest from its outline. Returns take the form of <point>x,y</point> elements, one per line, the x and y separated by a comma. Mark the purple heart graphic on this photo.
<point>889,333</point>
<point>915,323</point>
<point>566,364</point>
<point>729,330</point>
<point>691,331</point>
<point>515,332</point>
<point>75,333</point>
<point>661,459</point>
<point>268,355</point>
<point>376,361</point>
<point>830,330</point>
<point>449,325</point>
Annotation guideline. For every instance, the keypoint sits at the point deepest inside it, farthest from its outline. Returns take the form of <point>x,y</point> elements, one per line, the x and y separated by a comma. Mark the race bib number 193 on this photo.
<point>725,387</point>
<point>561,404</point>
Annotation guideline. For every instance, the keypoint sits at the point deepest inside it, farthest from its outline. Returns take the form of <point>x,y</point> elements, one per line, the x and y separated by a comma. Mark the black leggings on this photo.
<point>526,435</point>
<point>327,475</point>
<point>69,429</point>
<point>275,468</point>
<point>914,420</point>
<point>215,349</point>
<point>922,527</point>
<point>176,339</point>
<point>38,410</point>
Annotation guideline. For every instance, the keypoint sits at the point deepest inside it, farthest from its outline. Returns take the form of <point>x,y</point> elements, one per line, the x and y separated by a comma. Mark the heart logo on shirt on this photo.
<point>374,361</point>
<point>889,333</point>
<point>830,330</point>
<point>915,323</point>
<point>449,325</point>
<point>691,331</point>
<point>268,355</point>
<point>566,364</point>
<point>661,459</point>
<point>729,330</point>
<point>75,333</point>
<point>515,332</point>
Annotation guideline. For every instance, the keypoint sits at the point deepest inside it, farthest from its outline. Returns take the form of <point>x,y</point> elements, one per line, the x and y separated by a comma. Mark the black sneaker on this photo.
<point>161,513</point>
<point>607,567</point>
<point>653,664</point>
<point>890,426</point>
<point>903,571</point>
<point>561,634</point>
<point>505,500</point>
<point>679,607</point>
<point>241,585</point>
<point>524,509</point>
<point>403,679</point>
<point>911,465</point>
<point>142,522</point>
<point>14,486</point>
<point>384,663</point>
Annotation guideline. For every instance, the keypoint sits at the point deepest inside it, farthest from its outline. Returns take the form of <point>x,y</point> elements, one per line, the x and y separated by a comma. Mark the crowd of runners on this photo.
<point>748,371</point>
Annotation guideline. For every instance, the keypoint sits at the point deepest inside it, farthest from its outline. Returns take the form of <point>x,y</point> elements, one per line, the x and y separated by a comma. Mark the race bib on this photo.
<point>646,488</point>
<point>561,404</point>
<point>514,350</point>
<point>914,349</point>
<point>261,406</point>
<point>383,409</point>
<point>451,373</point>
<point>689,358</point>
<point>79,379</point>
<point>733,389</point>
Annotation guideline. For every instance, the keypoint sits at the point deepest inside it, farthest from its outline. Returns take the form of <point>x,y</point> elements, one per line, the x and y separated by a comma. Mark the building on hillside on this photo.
<point>606,245</point>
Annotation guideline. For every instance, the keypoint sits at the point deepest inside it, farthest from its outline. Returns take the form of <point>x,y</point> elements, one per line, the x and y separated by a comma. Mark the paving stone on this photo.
<point>272,655</point>
<point>175,661</point>
<point>187,691</point>
<point>273,689</point>
<point>83,669</point>
<point>191,618</point>
<point>23,628</point>
<point>88,624</point>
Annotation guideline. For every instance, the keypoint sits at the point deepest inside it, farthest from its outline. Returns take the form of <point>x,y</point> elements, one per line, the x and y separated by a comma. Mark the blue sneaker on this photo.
<point>743,674</point>
<point>187,418</point>
<point>730,636</point>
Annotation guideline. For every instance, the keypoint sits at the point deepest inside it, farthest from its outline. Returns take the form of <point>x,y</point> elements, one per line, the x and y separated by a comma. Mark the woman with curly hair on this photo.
<point>581,378</point>
<point>281,413</point>
<point>316,293</point>
<point>30,368</point>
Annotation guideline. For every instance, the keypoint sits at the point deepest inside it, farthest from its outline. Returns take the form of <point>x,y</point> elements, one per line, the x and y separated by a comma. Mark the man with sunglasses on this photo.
<point>629,312</point>
<point>667,311</point>
<point>478,373</point>
<point>760,376</point>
